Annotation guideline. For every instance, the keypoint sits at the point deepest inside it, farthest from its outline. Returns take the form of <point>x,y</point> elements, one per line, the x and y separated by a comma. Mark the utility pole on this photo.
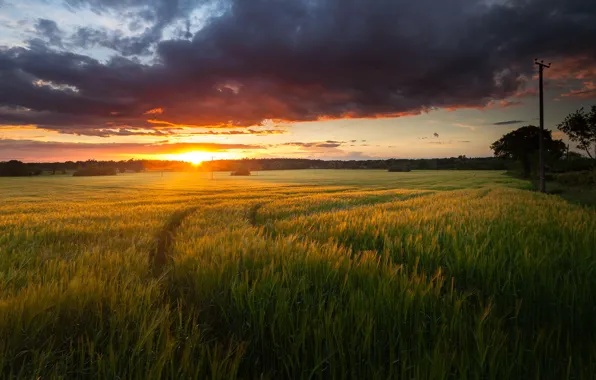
<point>567,152</point>
<point>541,66</point>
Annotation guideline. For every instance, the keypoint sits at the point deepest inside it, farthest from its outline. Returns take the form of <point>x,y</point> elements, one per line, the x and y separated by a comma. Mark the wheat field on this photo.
<point>321,274</point>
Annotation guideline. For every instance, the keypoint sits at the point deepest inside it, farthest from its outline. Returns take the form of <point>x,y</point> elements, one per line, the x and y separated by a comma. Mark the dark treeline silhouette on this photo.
<point>17,168</point>
<point>14,168</point>
<point>570,161</point>
<point>93,171</point>
<point>453,163</point>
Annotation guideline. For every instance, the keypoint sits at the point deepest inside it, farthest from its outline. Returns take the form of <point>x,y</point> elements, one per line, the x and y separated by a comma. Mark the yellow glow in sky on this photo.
<point>195,157</point>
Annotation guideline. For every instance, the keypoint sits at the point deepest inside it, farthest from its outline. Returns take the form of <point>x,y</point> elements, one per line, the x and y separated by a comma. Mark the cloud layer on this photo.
<point>509,122</point>
<point>293,60</point>
<point>31,150</point>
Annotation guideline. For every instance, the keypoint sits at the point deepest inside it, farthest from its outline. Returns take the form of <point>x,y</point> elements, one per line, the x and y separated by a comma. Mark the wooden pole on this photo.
<point>541,66</point>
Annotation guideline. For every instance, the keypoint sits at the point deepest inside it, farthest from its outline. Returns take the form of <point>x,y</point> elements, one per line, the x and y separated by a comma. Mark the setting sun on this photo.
<point>195,157</point>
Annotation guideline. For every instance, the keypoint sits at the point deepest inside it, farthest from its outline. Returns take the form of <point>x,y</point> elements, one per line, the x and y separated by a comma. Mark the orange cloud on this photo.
<point>530,92</point>
<point>588,91</point>
<point>257,132</point>
<point>30,150</point>
<point>355,115</point>
<point>503,104</point>
<point>493,104</point>
<point>14,127</point>
<point>572,68</point>
<point>155,111</point>
<point>161,122</point>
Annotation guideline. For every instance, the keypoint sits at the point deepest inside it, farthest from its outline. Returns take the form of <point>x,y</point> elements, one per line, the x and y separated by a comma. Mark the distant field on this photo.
<point>295,274</point>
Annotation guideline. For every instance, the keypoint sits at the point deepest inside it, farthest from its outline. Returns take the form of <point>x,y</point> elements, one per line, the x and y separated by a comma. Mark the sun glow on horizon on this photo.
<point>194,157</point>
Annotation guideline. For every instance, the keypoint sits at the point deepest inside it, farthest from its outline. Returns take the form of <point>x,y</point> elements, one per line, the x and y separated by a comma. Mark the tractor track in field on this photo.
<point>252,214</point>
<point>161,254</point>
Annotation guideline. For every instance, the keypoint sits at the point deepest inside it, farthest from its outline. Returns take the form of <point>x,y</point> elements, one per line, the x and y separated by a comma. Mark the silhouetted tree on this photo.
<point>242,171</point>
<point>14,168</point>
<point>523,143</point>
<point>580,127</point>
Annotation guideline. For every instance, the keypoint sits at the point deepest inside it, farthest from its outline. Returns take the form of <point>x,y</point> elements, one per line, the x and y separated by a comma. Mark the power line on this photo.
<point>541,66</point>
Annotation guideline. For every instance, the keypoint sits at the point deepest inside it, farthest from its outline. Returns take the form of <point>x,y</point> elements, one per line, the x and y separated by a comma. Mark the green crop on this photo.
<point>299,274</point>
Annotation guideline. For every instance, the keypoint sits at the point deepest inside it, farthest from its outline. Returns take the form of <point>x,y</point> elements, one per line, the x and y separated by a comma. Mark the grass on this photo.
<point>582,195</point>
<point>296,274</point>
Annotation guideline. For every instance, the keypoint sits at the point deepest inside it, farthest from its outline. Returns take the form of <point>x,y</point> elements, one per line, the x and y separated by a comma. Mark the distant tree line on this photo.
<point>562,161</point>
<point>452,163</point>
<point>14,168</point>
<point>17,168</point>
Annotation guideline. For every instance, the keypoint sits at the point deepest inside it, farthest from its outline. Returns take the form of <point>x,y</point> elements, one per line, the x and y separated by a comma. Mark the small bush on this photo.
<point>92,171</point>
<point>241,171</point>
<point>582,178</point>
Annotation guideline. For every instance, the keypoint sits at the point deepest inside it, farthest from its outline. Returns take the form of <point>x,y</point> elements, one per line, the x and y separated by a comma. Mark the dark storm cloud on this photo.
<point>293,60</point>
<point>88,38</point>
<point>48,30</point>
<point>157,13</point>
<point>509,122</point>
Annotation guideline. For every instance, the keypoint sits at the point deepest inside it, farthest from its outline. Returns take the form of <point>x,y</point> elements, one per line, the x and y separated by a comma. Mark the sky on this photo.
<point>329,79</point>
